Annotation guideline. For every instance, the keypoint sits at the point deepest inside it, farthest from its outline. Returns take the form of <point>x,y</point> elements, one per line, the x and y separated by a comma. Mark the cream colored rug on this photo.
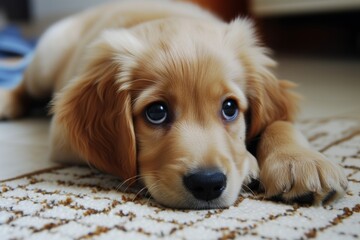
<point>80,203</point>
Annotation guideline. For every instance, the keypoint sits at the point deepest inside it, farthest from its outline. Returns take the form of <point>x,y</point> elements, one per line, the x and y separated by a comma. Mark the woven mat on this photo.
<point>80,203</point>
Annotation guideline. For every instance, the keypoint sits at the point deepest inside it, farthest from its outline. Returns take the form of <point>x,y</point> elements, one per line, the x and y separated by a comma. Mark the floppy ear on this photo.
<point>269,98</point>
<point>94,110</point>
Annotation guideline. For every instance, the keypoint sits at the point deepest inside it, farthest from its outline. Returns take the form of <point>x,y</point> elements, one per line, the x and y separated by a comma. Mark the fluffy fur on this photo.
<point>104,66</point>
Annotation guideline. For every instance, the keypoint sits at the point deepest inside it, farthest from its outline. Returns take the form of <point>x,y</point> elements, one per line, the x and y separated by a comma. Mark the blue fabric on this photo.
<point>13,44</point>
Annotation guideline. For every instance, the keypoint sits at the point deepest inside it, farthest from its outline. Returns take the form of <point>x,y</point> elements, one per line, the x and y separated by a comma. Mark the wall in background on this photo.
<point>45,9</point>
<point>46,12</point>
<point>288,7</point>
<point>325,32</point>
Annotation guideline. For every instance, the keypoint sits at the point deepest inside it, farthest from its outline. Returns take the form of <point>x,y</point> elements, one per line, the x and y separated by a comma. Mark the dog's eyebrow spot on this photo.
<point>240,95</point>
<point>147,96</point>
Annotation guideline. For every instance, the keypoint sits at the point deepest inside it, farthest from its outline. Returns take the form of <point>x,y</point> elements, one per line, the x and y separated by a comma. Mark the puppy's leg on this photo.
<point>291,171</point>
<point>45,73</point>
<point>13,103</point>
<point>16,102</point>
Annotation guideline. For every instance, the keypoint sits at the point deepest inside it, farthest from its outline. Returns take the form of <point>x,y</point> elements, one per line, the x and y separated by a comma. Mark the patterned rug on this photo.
<point>80,203</point>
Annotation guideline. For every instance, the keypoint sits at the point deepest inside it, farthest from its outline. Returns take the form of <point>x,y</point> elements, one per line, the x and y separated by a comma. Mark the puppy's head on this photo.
<point>169,100</point>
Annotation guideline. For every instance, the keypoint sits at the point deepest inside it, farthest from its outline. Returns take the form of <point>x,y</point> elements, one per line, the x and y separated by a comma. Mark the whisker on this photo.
<point>134,178</point>
<point>154,188</point>
<point>147,189</point>
<point>262,190</point>
<point>138,193</point>
<point>249,190</point>
<point>126,182</point>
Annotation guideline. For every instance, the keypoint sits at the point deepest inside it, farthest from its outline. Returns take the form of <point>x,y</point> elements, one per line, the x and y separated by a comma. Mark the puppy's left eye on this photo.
<point>230,110</point>
<point>156,113</point>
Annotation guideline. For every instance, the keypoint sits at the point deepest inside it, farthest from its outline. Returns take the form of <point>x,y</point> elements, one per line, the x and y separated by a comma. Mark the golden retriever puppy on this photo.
<point>168,94</point>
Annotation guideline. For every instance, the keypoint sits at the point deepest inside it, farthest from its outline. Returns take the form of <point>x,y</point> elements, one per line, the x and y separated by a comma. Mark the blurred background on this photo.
<point>329,27</point>
<point>316,42</point>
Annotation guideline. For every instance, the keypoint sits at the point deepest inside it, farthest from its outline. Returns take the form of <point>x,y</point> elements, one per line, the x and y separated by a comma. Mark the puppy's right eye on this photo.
<point>156,113</point>
<point>230,110</point>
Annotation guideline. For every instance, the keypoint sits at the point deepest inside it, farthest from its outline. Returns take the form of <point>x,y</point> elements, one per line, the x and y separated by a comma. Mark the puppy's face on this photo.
<point>188,113</point>
<point>166,101</point>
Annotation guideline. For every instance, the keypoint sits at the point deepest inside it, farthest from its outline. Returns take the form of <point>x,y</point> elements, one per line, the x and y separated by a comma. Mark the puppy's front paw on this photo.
<point>302,176</point>
<point>10,105</point>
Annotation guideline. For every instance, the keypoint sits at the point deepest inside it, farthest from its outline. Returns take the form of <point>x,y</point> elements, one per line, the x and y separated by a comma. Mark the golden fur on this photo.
<point>105,69</point>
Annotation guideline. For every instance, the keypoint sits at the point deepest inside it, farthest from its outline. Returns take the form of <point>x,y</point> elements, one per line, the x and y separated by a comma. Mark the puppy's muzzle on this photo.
<point>205,184</point>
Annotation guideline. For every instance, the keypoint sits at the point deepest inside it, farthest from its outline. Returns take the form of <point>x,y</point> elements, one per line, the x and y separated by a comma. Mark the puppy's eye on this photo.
<point>156,113</point>
<point>229,110</point>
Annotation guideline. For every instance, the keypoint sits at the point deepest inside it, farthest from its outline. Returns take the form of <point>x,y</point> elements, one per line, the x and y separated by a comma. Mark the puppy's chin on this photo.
<point>183,199</point>
<point>171,192</point>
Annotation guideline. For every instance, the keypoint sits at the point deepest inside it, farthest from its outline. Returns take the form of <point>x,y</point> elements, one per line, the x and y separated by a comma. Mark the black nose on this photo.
<point>205,184</point>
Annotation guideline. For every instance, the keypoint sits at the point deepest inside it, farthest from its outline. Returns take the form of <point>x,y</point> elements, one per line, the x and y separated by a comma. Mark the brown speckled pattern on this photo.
<point>80,203</point>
